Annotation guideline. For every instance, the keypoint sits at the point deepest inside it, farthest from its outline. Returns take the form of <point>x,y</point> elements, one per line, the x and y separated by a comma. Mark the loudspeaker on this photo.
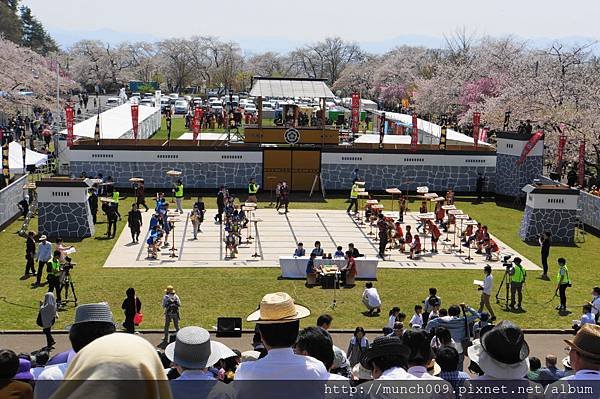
<point>229,327</point>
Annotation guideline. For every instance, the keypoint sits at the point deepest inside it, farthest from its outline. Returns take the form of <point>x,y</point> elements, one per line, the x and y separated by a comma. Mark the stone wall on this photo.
<point>195,175</point>
<point>590,209</point>
<point>511,178</point>
<point>380,177</point>
<point>559,222</point>
<point>9,197</point>
<point>66,220</point>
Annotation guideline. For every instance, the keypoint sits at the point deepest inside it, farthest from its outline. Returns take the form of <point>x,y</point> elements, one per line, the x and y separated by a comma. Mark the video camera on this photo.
<point>506,262</point>
<point>68,264</point>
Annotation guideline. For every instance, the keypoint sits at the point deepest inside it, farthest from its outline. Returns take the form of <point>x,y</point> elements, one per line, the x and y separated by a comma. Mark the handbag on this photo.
<point>138,318</point>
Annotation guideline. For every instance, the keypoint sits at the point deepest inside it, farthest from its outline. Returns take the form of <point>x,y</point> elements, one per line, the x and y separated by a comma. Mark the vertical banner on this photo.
<point>5,170</point>
<point>476,123</point>
<point>443,135</point>
<point>529,145</point>
<point>97,130</point>
<point>581,163</point>
<point>197,122</point>
<point>483,135</point>
<point>157,96</point>
<point>135,110</point>
<point>355,112</point>
<point>69,116</point>
<point>381,129</point>
<point>562,141</point>
<point>414,137</point>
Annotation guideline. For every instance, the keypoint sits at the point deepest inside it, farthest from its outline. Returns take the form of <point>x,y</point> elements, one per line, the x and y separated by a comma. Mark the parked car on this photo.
<point>174,96</point>
<point>250,109</point>
<point>148,102</point>
<point>181,107</point>
<point>113,101</point>
<point>138,95</point>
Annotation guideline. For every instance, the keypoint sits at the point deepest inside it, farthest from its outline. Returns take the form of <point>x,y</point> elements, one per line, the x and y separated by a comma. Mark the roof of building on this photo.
<point>290,88</point>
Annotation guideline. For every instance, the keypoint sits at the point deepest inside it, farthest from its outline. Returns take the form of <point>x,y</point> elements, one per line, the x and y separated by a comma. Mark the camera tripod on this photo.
<point>68,284</point>
<point>505,281</point>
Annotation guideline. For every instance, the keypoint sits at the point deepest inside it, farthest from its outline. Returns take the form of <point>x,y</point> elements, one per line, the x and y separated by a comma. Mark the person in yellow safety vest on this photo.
<point>252,190</point>
<point>353,197</point>
<point>179,195</point>
<point>115,197</point>
<point>54,275</point>
<point>562,283</point>
<point>518,275</point>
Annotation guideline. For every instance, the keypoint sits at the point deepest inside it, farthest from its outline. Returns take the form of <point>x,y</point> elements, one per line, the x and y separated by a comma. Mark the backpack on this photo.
<point>172,306</point>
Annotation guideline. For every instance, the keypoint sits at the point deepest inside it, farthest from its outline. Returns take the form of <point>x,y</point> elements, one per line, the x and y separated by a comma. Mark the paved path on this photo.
<point>277,236</point>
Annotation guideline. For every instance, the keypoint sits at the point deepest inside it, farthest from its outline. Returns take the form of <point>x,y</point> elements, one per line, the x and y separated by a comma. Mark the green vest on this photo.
<point>354,191</point>
<point>519,274</point>
<point>115,197</point>
<point>179,191</point>
<point>566,279</point>
<point>252,188</point>
<point>54,267</point>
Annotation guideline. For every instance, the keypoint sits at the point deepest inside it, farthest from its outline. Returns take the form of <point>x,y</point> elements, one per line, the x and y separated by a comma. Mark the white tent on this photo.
<point>35,158</point>
<point>15,158</point>
<point>116,123</point>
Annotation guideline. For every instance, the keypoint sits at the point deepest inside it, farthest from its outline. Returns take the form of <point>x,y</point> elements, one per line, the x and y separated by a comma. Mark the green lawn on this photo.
<point>209,293</point>
<point>178,128</point>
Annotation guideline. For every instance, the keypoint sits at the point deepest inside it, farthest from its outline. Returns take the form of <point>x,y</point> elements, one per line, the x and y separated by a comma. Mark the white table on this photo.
<point>295,267</point>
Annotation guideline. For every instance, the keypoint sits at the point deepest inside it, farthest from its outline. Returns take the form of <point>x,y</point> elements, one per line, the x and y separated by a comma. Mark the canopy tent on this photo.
<point>429,133</point>
<point>290,88</point>
<point>116,123</point>
<point>15,158</point>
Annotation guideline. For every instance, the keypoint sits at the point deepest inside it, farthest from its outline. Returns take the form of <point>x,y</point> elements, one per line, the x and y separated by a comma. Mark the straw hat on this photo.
<point>278,307</point>
<point>361,373</point>
<point>170,289</point>
<point>43,237</point>
<point>587,342</point>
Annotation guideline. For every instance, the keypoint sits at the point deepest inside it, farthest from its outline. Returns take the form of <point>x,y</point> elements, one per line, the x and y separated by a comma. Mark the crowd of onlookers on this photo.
<point>431,347</point>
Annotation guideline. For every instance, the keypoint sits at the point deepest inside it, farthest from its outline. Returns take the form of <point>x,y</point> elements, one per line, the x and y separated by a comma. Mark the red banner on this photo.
<point>581,163</point>
<point>355,112</point>
<point>562,141</point>
<point>414,139</point>
<point>197,122</point>
<point>530,145</point>
<point>134,119</point>
<point>69,116</point>
<point>483,135</point>
<point>476,123</point>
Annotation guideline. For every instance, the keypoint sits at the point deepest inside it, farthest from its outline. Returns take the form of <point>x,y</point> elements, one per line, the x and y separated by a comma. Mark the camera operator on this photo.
<point>518,275</point>
<point>545,242</point>
<point>486,292</point>
<point>54,269</point>
<point>562,283</point>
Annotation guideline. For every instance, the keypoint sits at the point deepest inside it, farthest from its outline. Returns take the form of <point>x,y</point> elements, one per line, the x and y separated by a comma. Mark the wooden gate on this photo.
<point>297,167</point>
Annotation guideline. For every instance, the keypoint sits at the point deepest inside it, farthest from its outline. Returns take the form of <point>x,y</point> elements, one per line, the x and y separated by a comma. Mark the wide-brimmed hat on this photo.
<point>339,358</point>
<point>433,368</point>
<point>587,342</point>
<point>170,289</point>
<point>250,356</point>
<point>43,237</point>
<point>99,312</point>
<point>278,307</point>
<point>502,352</point>
<point>384,346</point>
<point>361,373</point>
<point>193,349</point>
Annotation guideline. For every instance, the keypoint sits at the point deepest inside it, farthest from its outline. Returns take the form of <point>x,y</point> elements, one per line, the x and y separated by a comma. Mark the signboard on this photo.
<point>69,116</point>
<point>476,123</point>
<point>134,119</point>
<point>529,146</point>
<point>414,139</point>
<point>355,112</point>
<point>562,141</point>
<point>292,136</point>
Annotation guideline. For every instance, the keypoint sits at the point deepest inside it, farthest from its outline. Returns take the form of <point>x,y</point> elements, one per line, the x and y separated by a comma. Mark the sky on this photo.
<point>285,23</point>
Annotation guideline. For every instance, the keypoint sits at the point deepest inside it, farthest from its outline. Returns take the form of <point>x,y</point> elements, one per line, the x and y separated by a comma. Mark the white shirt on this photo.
<point>372,297</point>
<point>421,373</point>
<point>282,364</point>
<point>583,375</point>
<point>417,320</point>
<point>487,284</point>
<point>595,305</point>
<point>396,373</point>
<point>391,322</point>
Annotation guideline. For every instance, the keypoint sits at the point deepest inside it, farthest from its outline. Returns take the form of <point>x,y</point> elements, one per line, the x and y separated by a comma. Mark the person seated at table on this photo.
<point>312,270</point>
<point>422,209</point>
<point>484,237</point>
<point>450,196</point>
<point>300,251</point>
<point>408,238</point>
<point>415,247</point>
<point>327,256</point>
<point>231,242</point>
<point>239,215</point>
<point>368,209</point>
<point>338,253</point>
<point>491,247</point>
<point>349,271</point>
<point>398,237</point>
<point>354,251</point>
<point>317,250</point>
<point>474,237</point>
<point>440,213</point>
<point>435,235</point>
<point>153,242</point>
<point>466,234</point>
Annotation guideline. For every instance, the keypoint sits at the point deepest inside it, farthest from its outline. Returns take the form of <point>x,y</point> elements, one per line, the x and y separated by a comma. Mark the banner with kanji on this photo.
<point>69,117</point>
<point>97,129</point>
<point>443,137</point>
<point>134,119</point>
<point>562,141</point>
<point>414,137</point>
<point>530,145</point>
<point>476,123</point>
<point>355,112</point>
<point>483,135</point>
<point>197,122</point>
<point>581,168</point>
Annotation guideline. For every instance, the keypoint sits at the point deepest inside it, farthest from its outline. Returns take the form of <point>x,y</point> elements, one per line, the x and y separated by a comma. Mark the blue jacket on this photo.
<point>455,324</point>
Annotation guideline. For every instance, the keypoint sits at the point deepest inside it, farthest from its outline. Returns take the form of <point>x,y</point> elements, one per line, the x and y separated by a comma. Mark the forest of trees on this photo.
<point>18,25</point>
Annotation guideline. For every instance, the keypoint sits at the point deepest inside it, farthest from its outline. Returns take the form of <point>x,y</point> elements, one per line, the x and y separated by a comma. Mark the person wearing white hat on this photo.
<point>171,304</point>
<point>43,256</point>
<point>278,320</point>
